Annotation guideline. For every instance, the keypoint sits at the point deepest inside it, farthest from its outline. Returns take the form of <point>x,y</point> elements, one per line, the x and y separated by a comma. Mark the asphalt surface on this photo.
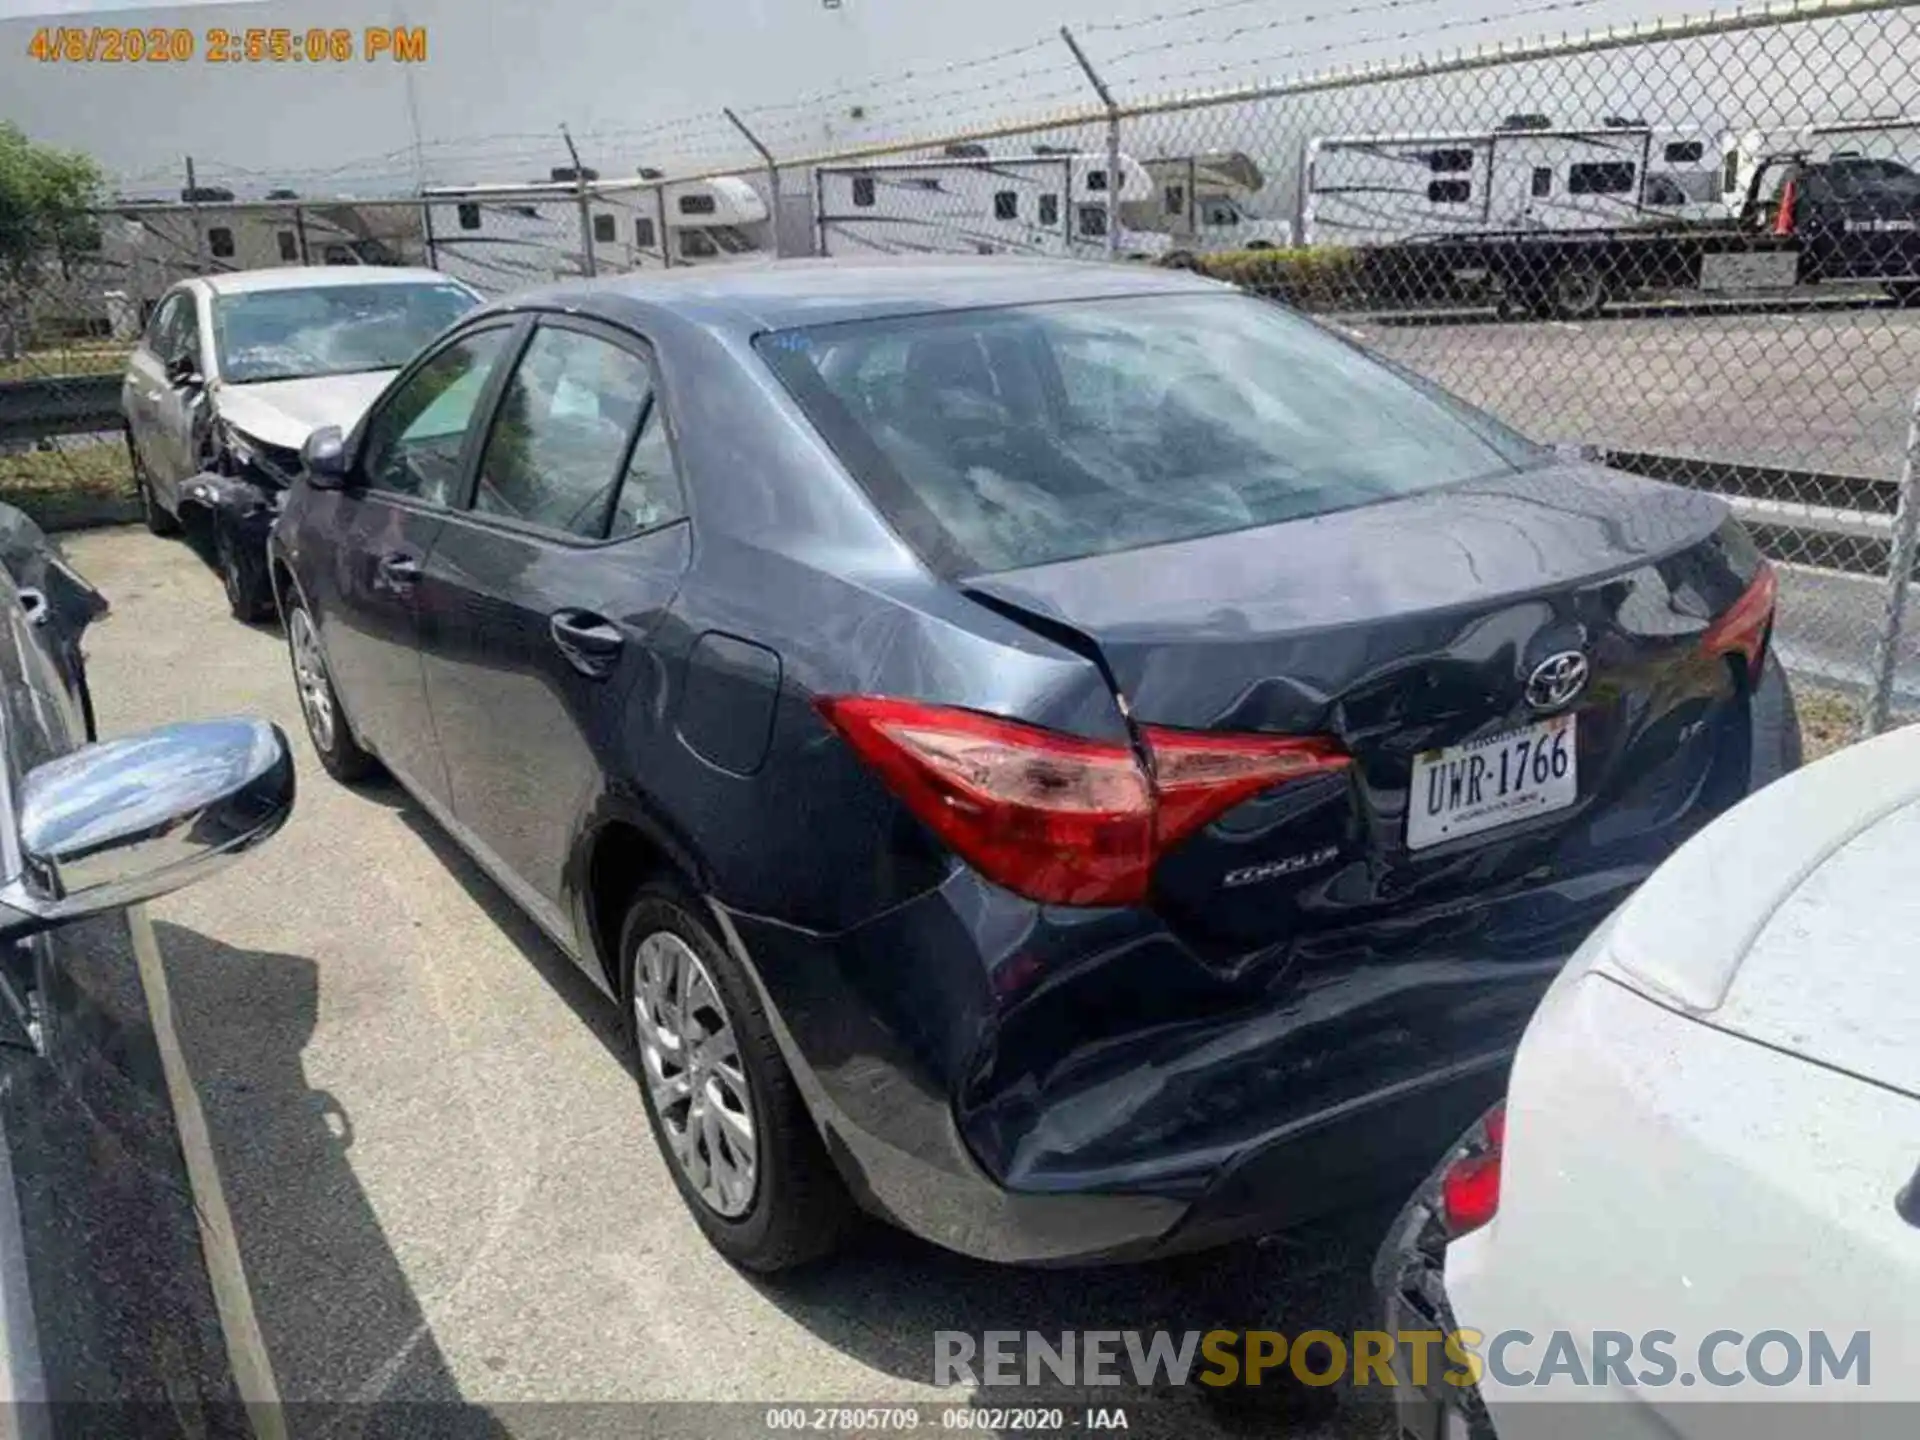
<point>438,1169</point>
<point>1827,390</point>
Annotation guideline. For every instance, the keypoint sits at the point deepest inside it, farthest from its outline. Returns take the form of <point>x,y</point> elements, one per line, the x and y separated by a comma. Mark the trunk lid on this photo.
<point>1405,627</point>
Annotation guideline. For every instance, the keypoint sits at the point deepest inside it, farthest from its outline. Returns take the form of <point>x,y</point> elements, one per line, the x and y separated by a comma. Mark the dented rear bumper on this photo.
<point>1055,1086</point>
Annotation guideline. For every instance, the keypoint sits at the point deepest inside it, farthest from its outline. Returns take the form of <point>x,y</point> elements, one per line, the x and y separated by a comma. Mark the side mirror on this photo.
<point>117,823</point>
<point>324,458</point>
<point>184,371</point>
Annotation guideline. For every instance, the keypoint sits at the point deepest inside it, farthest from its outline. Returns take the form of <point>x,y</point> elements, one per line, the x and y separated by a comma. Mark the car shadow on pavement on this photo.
<point>351,1349</point>
<point>569,981</point>
<point>884,1299</point>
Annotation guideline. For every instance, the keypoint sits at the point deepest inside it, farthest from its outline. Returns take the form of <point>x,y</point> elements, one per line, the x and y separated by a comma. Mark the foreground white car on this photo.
<point>1705,1174</point>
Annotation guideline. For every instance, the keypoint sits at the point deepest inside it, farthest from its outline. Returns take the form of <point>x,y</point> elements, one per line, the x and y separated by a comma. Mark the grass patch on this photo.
<point>77,359</point>
<point>71,485</point>
<point>1313,278</point>
<point>1829,720</point>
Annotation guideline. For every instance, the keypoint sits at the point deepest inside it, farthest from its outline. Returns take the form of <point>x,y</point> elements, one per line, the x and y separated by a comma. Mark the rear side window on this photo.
<point>554,457</point>
<point>1002,438</point>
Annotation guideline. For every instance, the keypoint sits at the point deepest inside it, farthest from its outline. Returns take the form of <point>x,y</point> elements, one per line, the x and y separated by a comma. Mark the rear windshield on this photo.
<point>1001,438</point>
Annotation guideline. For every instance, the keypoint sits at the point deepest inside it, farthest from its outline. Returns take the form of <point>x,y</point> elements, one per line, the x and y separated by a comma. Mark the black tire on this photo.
<point>156,517</point>
<point>1579,292</point>
<point>249,597</point>
<point>800,1209</point>
<point>339,752</point>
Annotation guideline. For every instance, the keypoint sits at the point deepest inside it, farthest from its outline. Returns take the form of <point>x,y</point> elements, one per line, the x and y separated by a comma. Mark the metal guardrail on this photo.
<point>49,405</point>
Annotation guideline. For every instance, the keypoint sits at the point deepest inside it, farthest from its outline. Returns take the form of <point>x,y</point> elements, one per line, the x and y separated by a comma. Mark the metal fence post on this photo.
<point>1906,529</point>
<point>666,240</point>
<point>1113,140</point>
<point>773,173</point>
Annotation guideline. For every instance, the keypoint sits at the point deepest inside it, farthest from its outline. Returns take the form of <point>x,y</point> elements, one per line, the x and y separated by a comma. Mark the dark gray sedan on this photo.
<point>1077,760</point>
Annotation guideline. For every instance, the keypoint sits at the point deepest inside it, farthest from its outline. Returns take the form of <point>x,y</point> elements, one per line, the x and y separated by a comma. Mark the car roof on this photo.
<point>318,277</point>
<point>750,297</point>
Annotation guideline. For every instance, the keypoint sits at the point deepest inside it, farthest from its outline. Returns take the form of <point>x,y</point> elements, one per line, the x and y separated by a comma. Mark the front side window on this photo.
<point>1049,209</point>
<point>468,214</point>
<point>301,331</point>
<point>554,456</point>
<point>1028,435</point>
<point>168,328</point>
<point>220,242</point>
<point>414,441</point>
<point>863,191</point>
<point>289,244</point>
<point>643,235</point>
<point>1093,220</point>
<point>697,245</point>
<point>603,229</point>
<point>1006,205</point>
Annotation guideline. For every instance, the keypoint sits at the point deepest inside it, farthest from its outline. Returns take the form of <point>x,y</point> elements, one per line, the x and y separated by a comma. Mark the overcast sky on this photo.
<point>643,83</point>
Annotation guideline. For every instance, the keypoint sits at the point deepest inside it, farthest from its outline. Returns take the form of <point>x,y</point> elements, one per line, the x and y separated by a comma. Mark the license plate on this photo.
<point>1484,784</point>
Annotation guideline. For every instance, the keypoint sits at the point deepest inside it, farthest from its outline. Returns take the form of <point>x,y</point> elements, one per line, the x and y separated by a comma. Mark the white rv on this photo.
<point>500,238</point>
<point>145,246</point>
<point>1378,189</point>
<point>982,205</point>
<point>1206,202</point>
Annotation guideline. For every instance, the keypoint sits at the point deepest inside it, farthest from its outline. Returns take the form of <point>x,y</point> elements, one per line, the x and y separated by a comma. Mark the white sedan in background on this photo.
<point>1702,1185</point>
<point>234,372</point>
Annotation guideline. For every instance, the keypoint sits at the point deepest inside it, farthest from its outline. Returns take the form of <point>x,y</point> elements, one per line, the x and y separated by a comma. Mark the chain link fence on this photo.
<point>1691,250</point>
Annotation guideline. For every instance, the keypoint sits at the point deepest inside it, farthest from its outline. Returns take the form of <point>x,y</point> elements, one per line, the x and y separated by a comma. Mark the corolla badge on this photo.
<point>1558,680</point>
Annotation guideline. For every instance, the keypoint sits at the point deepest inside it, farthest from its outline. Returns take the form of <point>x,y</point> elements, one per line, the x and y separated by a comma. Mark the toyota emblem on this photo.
<point>1557,680</point>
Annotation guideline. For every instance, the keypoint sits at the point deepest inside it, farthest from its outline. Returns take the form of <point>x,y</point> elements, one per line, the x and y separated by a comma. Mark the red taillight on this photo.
<point>1199,777</point>
<point>1053,817</point>
<point>1742,630</point>
<point>1470,1186</point>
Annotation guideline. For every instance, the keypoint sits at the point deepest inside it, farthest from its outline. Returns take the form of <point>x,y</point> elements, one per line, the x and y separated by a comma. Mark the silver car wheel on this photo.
<point>693,1073</point>
<point>310,675</point>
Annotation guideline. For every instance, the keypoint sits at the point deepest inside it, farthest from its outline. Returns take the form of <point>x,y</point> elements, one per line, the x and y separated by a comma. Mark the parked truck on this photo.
<point>1800,221</point>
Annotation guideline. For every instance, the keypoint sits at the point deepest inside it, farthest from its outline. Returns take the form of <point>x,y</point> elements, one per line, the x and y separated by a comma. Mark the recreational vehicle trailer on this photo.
<point>983,205</point>
<point>500,238</point>
<point>1380,189</point>
<point>145,246</point>
<point>1206,202</point>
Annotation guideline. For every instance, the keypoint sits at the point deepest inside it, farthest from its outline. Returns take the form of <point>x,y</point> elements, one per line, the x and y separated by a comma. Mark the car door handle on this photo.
<point>400,571</point>
<point>590,642</point>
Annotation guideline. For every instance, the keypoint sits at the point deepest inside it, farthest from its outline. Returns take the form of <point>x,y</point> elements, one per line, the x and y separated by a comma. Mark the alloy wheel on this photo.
<point>310,676</point>
<point>694,1075</point>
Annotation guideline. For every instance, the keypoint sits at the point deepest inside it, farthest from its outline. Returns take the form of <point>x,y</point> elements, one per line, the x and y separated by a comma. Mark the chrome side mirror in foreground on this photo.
<point>124,821</point>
